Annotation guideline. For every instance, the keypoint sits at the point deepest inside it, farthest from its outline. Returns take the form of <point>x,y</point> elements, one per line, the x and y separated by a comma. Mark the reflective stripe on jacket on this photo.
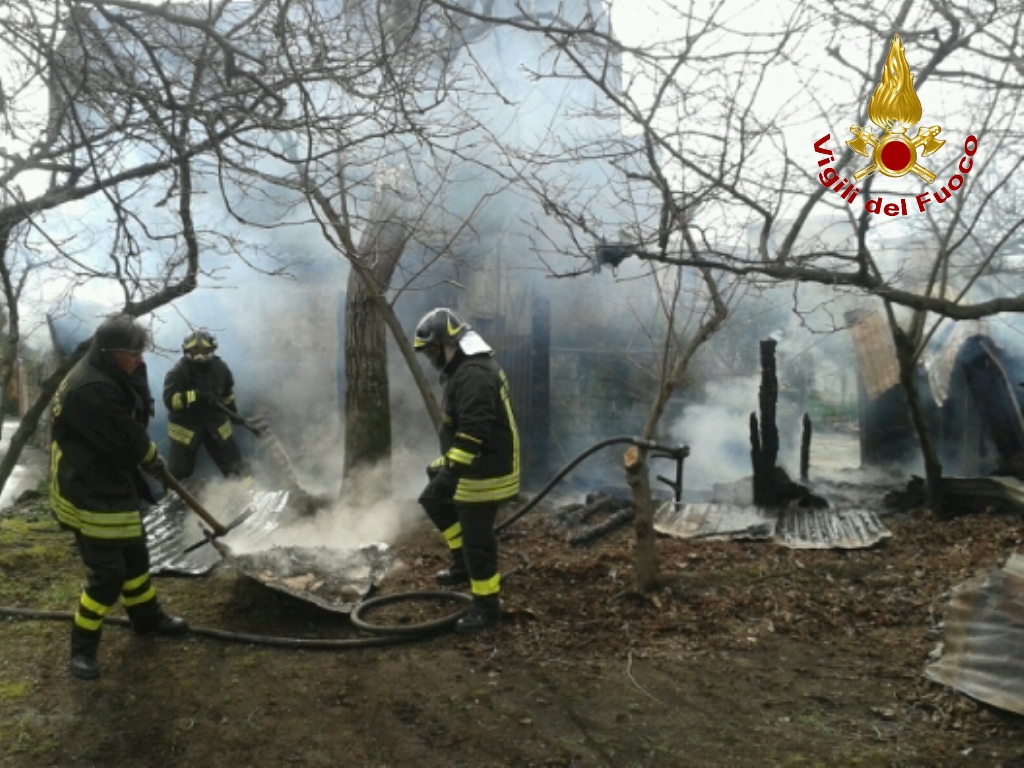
<point>479,438</point>
<point>98,442</point>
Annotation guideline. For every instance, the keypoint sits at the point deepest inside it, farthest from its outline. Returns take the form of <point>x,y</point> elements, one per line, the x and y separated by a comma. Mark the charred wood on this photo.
<point>616,521</point>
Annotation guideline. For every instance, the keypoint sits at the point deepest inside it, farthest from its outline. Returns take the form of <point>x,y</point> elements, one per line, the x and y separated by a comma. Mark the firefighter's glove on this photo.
<point>443,484</point>
<point>435,467</point>
<point>155,467</point>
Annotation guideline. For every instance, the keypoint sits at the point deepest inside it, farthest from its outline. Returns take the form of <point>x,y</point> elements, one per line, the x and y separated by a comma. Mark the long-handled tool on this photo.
<point>218,529</point>
<point>306,502</point>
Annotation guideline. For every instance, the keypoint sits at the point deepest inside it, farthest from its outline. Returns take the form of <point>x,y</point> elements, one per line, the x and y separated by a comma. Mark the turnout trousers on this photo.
<point>469,529</point>
<point>182,460</point>
<point>114,570</point>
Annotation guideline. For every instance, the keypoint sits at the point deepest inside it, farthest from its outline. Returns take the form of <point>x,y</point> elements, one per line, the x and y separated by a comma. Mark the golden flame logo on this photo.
<point>894,107</point>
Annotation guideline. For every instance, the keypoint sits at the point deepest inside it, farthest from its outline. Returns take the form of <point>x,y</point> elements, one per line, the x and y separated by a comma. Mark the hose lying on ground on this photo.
<point>383,635</point>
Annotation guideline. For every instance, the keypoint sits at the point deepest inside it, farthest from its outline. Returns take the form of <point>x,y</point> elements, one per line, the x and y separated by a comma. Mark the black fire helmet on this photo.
<point>439,328</point>
<point>199,346</point>
<point>121,333</point>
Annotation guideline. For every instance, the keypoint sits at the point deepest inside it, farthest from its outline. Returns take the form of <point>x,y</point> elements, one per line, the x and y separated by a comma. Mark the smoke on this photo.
<point>365,516</point>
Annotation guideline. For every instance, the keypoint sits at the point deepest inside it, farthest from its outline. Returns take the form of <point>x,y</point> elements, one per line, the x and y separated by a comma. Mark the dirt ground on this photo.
<point>752,654</point>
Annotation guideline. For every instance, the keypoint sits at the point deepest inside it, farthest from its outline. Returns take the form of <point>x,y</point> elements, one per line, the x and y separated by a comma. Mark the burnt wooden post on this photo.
<point>764,443</point>
<point>805,449</point>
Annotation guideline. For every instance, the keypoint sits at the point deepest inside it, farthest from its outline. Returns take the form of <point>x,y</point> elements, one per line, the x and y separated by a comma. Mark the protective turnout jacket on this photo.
<point>98,441</point>
<point>479,439</point>
<point>187,418</point>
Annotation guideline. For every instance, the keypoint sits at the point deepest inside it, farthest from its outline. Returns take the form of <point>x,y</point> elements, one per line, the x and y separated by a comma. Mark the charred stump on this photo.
<point>805,449</point>
<point>764,436</point>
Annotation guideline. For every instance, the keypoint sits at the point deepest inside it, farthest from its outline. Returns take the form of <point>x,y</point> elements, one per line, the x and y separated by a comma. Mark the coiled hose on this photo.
<point>382,634</point>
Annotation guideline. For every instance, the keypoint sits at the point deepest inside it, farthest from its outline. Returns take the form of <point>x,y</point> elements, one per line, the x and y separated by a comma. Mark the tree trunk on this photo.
<point>367,390</point>
<point>367,401</point>
<point>932,466</point>
<point>646,561</point>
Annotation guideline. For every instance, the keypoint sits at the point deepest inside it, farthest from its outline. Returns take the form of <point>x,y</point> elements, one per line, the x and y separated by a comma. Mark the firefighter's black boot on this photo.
<point>84,645</point>
<point>455,574</point>
<point>159,623</point>
<point>84,667</point>
<point>483,614</point>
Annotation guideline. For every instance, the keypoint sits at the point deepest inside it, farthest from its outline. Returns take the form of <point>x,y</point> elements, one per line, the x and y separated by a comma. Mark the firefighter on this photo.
<point>479,463</point>
<point>99,441</point>
<point>199,392</point>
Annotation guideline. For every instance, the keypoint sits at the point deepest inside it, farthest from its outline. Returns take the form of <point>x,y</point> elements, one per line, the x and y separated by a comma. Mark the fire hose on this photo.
<point>676,453</point>
<point>382,634</point>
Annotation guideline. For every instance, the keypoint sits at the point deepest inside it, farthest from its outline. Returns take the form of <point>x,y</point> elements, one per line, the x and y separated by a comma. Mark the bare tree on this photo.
<point>117,105</point>
<point>714,111</point>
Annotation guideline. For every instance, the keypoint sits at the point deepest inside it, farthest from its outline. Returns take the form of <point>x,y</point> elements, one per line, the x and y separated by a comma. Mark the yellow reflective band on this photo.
<point>92,605</point>
<point>145,597</point>
<point>96,525</point>
<point>179,433</point>
<point>452,532</point>
<point>225,430</point>
<point>472,439</point>
<point>191,396</point>
<point>438,462</point>
<point>92,625</point>
<point>452,330</point>
<point>150,453</point>
<point>460,456</point>
<point>418,342</point>
<point>229,399</point>
<point>491,586</point>
<point>176,403</point>
<point>135,583</point>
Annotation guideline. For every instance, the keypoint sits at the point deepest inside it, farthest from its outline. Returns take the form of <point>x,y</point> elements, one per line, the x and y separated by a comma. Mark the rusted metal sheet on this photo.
<point>332,579</point>
<point>876,353</point>
<point>983,636</point>
<point>795,528</point>
<point>171,527</point>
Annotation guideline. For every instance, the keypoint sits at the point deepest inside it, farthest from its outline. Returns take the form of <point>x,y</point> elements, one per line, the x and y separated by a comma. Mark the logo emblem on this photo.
<point>894,107</point>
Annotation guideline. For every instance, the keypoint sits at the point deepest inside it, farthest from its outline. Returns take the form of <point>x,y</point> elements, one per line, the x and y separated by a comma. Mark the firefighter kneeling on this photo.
<point>479,463</point>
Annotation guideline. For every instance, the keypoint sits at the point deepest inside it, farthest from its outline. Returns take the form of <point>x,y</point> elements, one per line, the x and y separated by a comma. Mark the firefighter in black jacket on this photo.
<point>99,442</point>
<point>479,463</point>
<point>196,391</point>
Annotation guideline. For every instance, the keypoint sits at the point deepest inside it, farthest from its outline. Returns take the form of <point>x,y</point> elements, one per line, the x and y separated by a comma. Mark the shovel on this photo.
<point>257,426</point>
<point>193,503</point>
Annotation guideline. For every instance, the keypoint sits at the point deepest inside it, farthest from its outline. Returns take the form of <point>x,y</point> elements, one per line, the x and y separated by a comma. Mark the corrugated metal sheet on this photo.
<point>171,527</point>
<point>939,360</point>
<point>983,637</point>
<point>998,490</point>
<point>332,579</point>
<point>793,528</point>
<point>829,529</point>
<point>714,521</point>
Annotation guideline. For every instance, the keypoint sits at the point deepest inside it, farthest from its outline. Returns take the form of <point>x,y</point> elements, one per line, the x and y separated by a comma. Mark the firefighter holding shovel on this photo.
<point>479,463</point>
<point>99,444</point>
<point>199,392</point>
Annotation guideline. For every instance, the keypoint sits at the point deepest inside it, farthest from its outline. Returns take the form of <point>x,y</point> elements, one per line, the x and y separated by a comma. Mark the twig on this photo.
<point>629,674</point>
